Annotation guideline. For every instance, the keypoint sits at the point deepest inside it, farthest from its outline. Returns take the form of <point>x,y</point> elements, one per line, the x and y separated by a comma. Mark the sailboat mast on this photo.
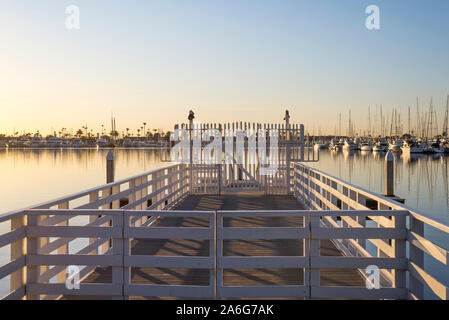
<point>409,131</point>
<point>445,125</point>
<point>339,125</point>
<point>381,123</point>
<point>369,121</point>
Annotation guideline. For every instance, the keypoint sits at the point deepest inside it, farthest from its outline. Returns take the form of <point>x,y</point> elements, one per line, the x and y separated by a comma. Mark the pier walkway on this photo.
<point>241,201</point>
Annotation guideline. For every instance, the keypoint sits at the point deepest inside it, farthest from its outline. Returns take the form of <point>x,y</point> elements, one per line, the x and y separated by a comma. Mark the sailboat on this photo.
<point>349,145</point>
<point>411,147</point>
<point>380,146</point>
<point>395,145</point>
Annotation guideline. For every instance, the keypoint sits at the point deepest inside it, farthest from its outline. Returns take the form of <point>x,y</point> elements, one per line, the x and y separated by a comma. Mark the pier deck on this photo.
<point>249,277</point>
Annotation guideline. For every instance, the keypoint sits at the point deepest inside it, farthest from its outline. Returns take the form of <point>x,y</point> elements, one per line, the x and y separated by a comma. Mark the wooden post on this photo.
<point>218,254</point>
<point>399,251</point>
<point>306,251</point>
<point>126,253</point>
<point>190,118</point>
<point>301,141</point>
<point>220,159</point>
<point>239,160</point>
<point>65,248</point>
<point>118,251</point>
<point>287,150</point>
<point>18,250</point>
<point>110,167</point>
<point>389,174</point>
<point>314,273</point>
<point>110,178</point>
<point>32,272</point>
<point>93,196</point>
<point>416,256</point>
<point>212,243</point>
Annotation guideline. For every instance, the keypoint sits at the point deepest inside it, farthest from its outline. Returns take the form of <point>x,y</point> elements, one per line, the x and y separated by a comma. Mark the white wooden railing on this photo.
<point>321,191</point>
<point>158,189</point>
<point>299,233</point>
<point>40,272</point>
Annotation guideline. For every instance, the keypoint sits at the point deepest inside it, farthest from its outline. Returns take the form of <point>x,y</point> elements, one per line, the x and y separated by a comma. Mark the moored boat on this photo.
<point>349,145</point>
<point>395,145</point>
<point>380,146</point>
<point>411,147</point>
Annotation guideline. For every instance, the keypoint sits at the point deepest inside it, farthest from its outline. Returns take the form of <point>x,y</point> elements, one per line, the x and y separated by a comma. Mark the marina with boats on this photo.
<point>405,145</point>
<point>54,142</point>
<point>421,137</point>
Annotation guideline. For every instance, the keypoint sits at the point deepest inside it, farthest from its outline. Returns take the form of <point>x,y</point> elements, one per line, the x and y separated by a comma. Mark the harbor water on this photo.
<point>32,176</point>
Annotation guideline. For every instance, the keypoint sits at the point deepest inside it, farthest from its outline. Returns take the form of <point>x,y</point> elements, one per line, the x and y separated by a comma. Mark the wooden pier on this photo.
<point>224,230</point>
<point>233,276</point>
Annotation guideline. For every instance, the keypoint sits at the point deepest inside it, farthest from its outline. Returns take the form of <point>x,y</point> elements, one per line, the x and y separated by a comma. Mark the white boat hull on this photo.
<point>412,150</point>
<point>366,148</point>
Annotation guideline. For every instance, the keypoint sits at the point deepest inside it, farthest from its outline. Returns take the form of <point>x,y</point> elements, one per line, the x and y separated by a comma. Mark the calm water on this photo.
<point>32,176</point>
<point>422,180</point>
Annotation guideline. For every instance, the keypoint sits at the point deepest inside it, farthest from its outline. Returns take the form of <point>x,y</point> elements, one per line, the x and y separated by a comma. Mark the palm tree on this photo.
<point>127,132</point>
<point>85,128</point>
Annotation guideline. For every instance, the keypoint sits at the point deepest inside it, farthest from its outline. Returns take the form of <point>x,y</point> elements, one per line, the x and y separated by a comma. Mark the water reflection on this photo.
<point>31,176</point>
<point>421,179</point>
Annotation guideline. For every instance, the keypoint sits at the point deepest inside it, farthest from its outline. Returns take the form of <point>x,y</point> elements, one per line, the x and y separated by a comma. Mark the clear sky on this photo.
<point>245,60</point>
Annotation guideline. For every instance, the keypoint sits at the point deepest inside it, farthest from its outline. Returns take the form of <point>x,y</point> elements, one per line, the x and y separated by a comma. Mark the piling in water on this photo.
<point>389,174</point>
<point>110,167</point>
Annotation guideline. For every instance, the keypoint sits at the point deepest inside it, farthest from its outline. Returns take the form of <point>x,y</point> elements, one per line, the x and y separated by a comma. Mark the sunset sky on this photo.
<point>246,60</point>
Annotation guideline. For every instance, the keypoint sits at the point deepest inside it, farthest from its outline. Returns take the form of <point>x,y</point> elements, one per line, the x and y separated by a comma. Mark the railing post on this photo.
<point>301,141</point>
<point>126,254</point>
<point>306,252</point>
<point>212,253</point>
<point>105,193</point>
<point>314,274</point>
<point>287,150</point>
<point>144,194</point>
<point>92,198</point>
<point>118,252</point>
<point>218,253</point>
<point>399,251</point>
<point>190,118</point>
<point>64,249</point>
<point>18,249</point>
<point>32,272</point>
<point>416,256</point>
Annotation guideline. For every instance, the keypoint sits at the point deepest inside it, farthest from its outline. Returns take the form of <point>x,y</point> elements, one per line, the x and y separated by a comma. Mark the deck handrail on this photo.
<point>418,214</point>
<point>11,214</point>
<point>320,191</point>
<point>120,229</point>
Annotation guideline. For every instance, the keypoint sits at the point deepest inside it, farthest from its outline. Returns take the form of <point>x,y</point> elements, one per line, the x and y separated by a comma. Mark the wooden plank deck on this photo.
<point>250,277</point>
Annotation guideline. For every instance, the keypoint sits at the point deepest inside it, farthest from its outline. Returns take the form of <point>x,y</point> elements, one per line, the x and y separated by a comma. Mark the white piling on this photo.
<point>110,167</point>
<point>389,174</point>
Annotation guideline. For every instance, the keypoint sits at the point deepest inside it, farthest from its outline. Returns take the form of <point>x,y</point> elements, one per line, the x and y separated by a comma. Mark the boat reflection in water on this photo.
<point>419,178</point>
